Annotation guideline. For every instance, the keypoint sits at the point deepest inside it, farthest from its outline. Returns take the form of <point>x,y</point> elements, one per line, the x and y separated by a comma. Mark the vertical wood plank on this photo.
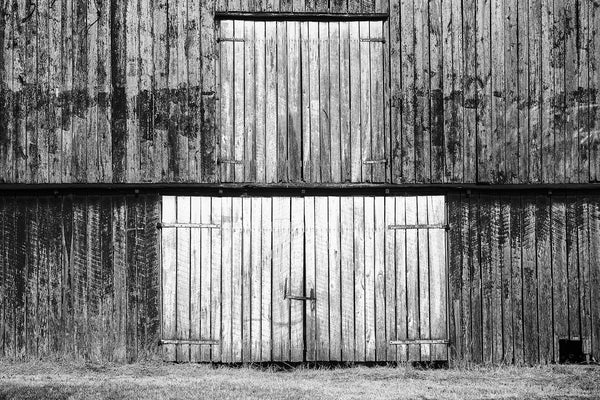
<point>365,101</point>
<point>517,242</point>
<point>216,283</point>
<point>523,88</point>
<point>475,267</point>
<point>182,286</point>
<point>256,274</point>
<point>486,229</point>
<point>118,79</point>
<point>267,276</point>
<point>239,130</point>
<point>594,231</point>
<point>482,91</point>
<point>594,92</point>
<point>436,76</point>
<point>530,322</point>
<point>237,329</point>
<point>390,276</point>
<point>347,277</point>
<point>281,278</point>
<point>282,102</point>
<point>559,104</point>
<point>412,279</point>
<point>322,279</point>
<point>227,103</point>
<point>370,317</point>
<point>192,52</point>
<point>259,87</point>
<point>104,145</point>
<point>324,103</point>
<point>559,271</point>
<point>132,84</point>
<point>424,280</point>
<point>197,247</point>
<point>271,103</point>
<point>437,276</point>
<point>294,104</point>
<point>379,280</point>
<point>547,91</point>
<point>535,90</point>
<point>296,279</point>
<point>310,283</point>
<point>246,279</point>
<point>208,49</point>
<point>401,277</point>
<point>226,279</point>
<point>377,103</point>
<point>572,267</point>
<point>345,112</point>
<point>470,90</point>
<point>511,88</point>
<point>334,98</point>
<point>544,278</point>
<point>355,104</point>
<point>498,93</point>
<point>80,69</point>
<point>335,310</point>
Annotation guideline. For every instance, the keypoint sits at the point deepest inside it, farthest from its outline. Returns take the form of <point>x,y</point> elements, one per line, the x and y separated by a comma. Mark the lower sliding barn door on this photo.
<point>337,278</point>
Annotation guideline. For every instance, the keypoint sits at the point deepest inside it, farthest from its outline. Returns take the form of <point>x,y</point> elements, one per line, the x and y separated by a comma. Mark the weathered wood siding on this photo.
<point>494,91</point>
<point>524,273</point>
<point>326,278</point>
<point>79,277</point>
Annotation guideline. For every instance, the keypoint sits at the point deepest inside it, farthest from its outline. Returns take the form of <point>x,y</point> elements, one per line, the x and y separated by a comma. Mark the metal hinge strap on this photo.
<point>208,342</point>
<point>419,226</point>
<point>230,39</point>
<point>382,40</point>
<point>419,341</point>
<point>187,225</point>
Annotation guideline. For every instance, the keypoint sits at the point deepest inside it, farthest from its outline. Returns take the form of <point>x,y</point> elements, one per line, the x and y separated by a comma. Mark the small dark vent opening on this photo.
<point>570,351</point>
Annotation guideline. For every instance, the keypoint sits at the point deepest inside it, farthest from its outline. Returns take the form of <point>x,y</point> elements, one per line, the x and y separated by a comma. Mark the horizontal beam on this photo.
<point>300,16</point>
<point>288,189</point>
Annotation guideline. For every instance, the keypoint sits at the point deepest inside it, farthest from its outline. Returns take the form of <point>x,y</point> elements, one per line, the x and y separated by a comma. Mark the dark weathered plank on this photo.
<point>516,242</point>
<point>534,103</point>
<point>118,58</point>
<point>559,272</point>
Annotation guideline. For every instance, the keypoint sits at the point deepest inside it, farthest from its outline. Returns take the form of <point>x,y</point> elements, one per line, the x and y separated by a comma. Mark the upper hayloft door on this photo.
<point>302,102</point>
<point>336,278</point>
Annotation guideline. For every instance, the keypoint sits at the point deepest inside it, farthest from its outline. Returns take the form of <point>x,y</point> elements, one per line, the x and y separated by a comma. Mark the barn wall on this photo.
<point>524,272</point>
<point>79,277</point>
<point>498,91</point>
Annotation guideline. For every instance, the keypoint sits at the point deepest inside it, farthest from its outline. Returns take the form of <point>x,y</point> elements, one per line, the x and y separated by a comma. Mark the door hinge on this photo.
<point>231,162</point>
<point>382,161</point>
<point>230,39</point>
<point>207,342</point>
<point>420,226</point>
<point>419,341</point>
<point>380,39</point>
<point>187,225</point>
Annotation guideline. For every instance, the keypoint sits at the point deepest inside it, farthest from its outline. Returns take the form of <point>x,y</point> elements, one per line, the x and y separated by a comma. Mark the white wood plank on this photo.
<point>297,279</point>
<point>169,276</point>
<point>347,277</point>
<point>183,278</point>
<point>321,278</point>
<point>335,311</point>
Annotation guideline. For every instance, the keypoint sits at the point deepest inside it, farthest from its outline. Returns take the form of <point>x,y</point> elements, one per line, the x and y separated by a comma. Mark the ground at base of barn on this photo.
<point>155,380</point>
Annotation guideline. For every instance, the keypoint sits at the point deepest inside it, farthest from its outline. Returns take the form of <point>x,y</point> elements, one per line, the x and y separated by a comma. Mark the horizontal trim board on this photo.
<point>299,16</point>
<point>237,190</point>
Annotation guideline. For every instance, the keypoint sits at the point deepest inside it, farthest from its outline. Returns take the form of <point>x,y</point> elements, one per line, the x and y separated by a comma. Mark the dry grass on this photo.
<point>165,381</point>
